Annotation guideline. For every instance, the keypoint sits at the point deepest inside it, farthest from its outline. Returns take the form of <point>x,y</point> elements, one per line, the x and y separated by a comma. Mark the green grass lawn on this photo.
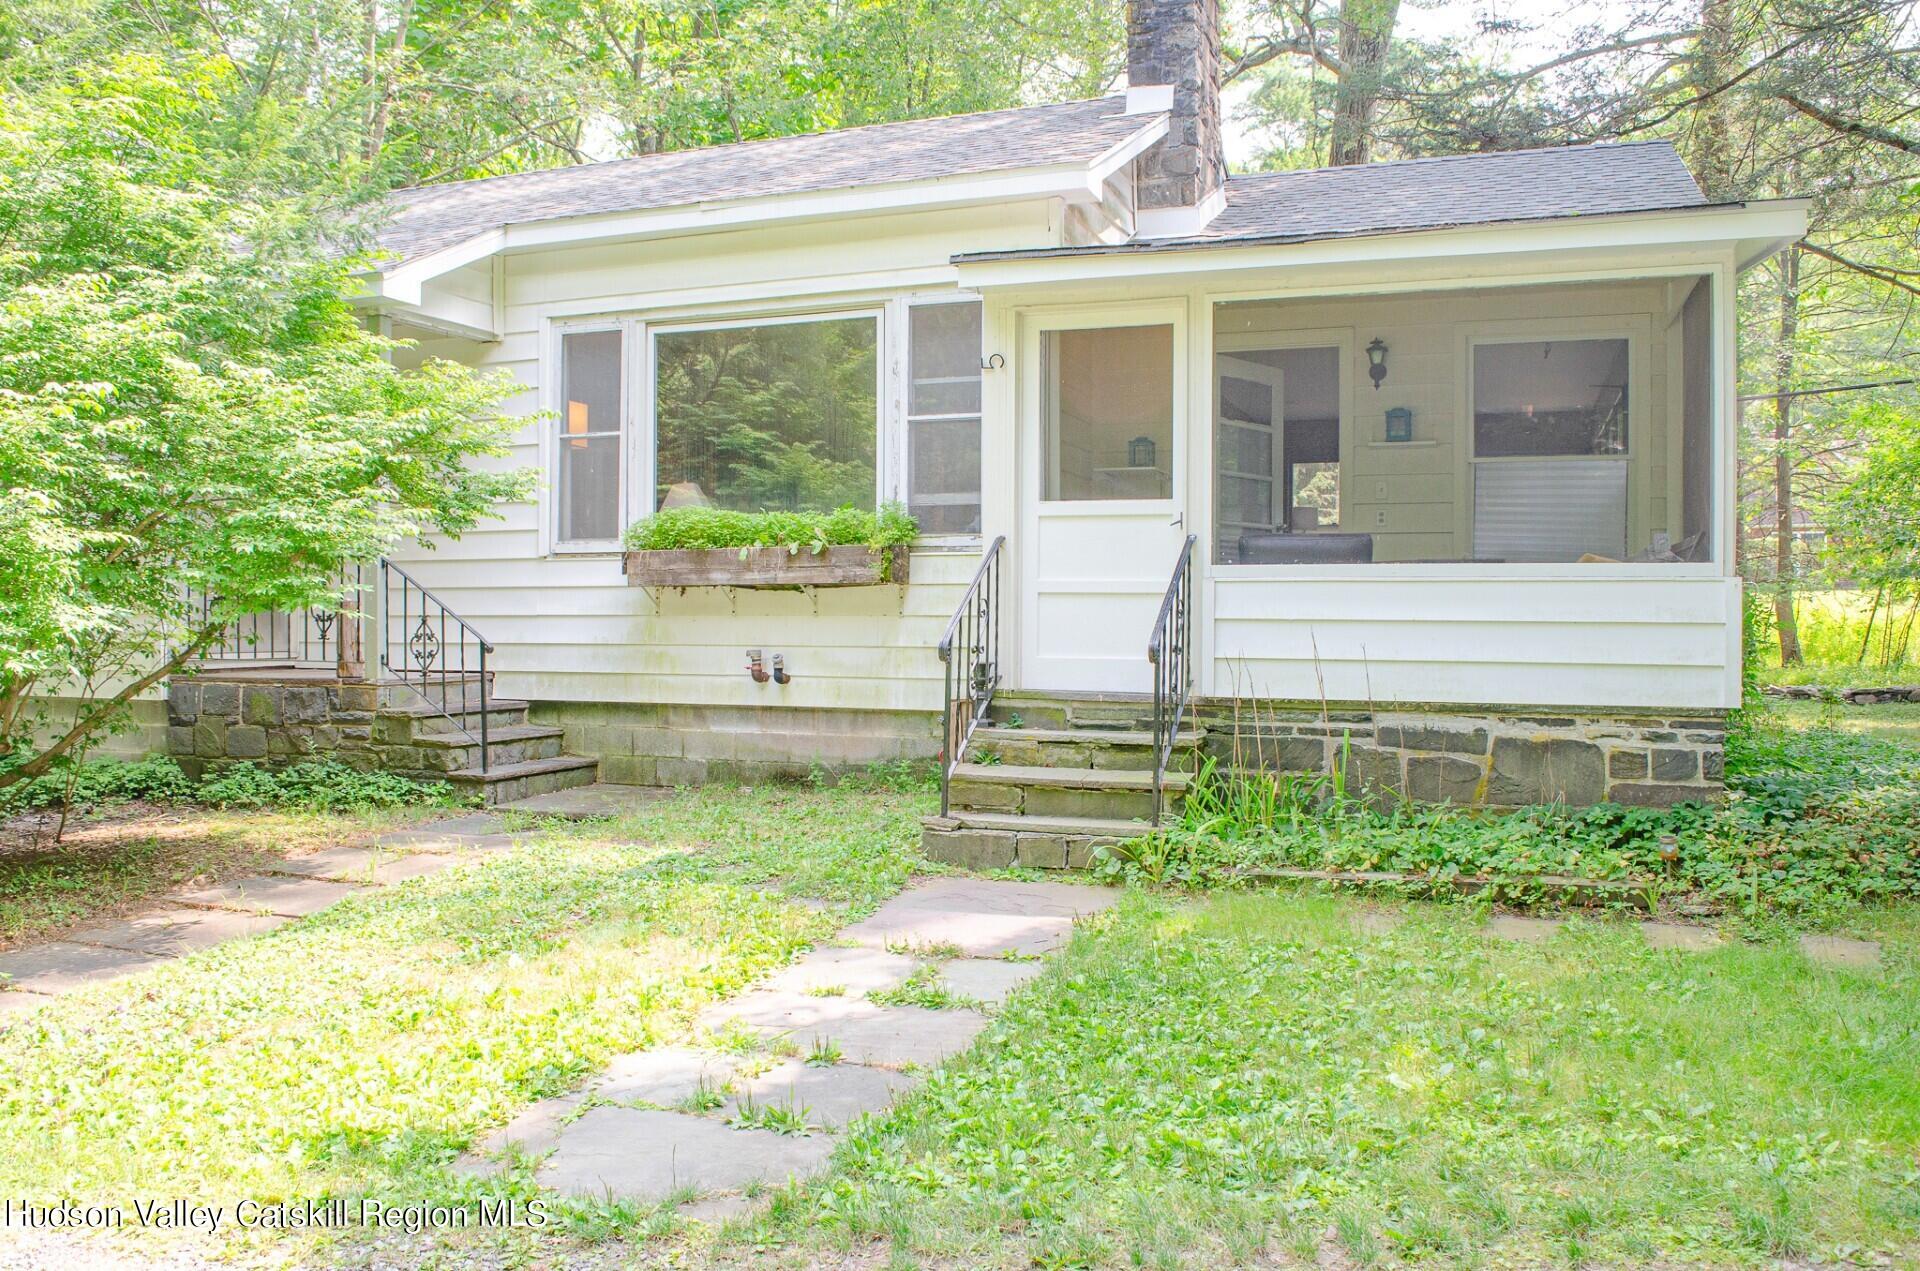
<point>355,1052</point>
<point>1894,721</point>
<point>1201,1084</point>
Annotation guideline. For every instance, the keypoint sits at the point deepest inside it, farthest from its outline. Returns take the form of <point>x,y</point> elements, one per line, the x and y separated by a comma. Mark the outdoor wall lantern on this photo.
<point>1377,360</point>
<point>1140,452</point>
<point>1399,424</point>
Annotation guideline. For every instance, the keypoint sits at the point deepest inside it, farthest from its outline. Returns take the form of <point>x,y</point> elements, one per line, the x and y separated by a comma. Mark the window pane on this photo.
<point>589,441</point>
<point>1107,415</point>
<point>1550,510</point>
<point>590,487</point>
<point>944,455</point>
<point>1316,495</point>
<point>945,356</point>
<point>781,417</point>
<point>1550,397</point>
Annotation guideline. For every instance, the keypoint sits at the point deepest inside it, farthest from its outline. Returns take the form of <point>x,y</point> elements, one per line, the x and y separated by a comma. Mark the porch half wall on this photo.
<point>1363,638</point>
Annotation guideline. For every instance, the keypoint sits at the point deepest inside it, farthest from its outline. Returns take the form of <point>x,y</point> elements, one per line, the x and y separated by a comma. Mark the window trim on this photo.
<point>646,458</point>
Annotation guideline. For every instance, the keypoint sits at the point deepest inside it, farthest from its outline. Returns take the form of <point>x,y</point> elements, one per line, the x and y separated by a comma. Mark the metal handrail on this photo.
<point>429,657</point>
<point>1169,653</point>
<point>975,627</point>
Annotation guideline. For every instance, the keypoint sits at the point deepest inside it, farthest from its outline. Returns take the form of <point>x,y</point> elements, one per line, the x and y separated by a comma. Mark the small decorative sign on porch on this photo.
<point>766,567</point>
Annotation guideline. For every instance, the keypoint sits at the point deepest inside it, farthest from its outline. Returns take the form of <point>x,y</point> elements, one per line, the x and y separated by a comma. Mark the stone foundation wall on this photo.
<point>643,743</point>
<point>1482,759</point>
<point>211,723</point>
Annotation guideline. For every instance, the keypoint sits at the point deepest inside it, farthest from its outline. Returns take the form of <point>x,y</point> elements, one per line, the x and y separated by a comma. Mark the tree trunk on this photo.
<point>1714,55</point>
<point>1366,36</point>
<point>1783,360</point>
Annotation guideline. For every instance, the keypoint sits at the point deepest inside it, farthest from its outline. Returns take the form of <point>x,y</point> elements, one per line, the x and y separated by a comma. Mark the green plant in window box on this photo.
<point>707,528</point>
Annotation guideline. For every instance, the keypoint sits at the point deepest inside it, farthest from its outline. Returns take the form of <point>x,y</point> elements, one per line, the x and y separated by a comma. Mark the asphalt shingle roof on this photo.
<point>429,218</point>
<point>1440,193</point>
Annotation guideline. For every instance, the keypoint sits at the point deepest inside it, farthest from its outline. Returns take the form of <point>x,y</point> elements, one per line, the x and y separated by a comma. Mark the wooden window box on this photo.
<point>768,567</point>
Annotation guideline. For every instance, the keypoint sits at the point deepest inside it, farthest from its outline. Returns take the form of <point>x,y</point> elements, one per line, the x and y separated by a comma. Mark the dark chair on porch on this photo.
<point>1278,547</point>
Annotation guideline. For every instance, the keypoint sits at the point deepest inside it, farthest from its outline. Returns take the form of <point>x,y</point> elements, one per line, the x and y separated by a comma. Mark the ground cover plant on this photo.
<point>357,1051</point>
<point>1816,821</point>
<point>1275,1077</point>
<point>318,786</point>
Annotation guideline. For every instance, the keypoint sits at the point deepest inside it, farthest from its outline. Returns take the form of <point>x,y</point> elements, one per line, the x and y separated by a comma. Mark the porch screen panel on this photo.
<point>779,416</point>
<point>943,417</point>
<point>587,488</point>
<point>1107,413</point>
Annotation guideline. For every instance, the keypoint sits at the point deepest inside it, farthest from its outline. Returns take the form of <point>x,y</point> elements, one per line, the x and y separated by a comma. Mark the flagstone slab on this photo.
<point>979,917</point>
<point>830,1096</point>
<point>1680,936</point>
<point>266,893</point>
<point>398,869</point>
<point>781,1011</point>
<point>893,1035</point>
<point>61,967</point>
<point>645,1154</point>
<point>667,1076</point>
<point>1523,930</point>
<point>334,862</point>
<point>1842,951</point>
<point>167,933</point>
<point>473,825</point>
<point>857,971</point>
<point>588,802</point>
<point>988,980</point>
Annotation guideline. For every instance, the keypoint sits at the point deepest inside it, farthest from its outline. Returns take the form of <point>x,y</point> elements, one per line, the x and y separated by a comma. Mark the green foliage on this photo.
<point>1261,1079</point>
<point>325,786</point>
<point>187,401</point>
<point>846,526</point>
<point>1815,822</point>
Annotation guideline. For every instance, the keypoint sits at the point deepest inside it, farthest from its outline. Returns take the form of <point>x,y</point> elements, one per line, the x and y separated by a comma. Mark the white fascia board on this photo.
<point>1126,152</point>
<point>1770,221</point>
<point>403,284</point>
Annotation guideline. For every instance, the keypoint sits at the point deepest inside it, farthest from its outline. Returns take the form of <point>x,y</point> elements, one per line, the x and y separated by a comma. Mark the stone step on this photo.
<point>997,840</point>
<point>506,783</point>
<point>1028,789</point>
<point>516,743</point>
<point>1109,711</point>
<point>401,725</point>
<point>1081,747</point>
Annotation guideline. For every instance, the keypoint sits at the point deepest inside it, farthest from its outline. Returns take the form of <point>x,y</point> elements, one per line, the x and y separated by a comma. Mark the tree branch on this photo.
<point>1851,127</point>
<point>1878,275</point>
<point>92,720</point>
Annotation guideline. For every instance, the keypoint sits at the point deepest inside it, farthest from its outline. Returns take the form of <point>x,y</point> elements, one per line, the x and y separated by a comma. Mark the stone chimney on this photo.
<point>1177,43</point>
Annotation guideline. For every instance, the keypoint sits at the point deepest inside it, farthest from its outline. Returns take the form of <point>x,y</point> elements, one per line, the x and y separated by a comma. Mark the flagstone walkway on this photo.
<point>840,1033</point>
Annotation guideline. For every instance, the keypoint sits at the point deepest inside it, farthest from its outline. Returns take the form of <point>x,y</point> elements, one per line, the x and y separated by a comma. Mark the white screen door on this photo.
<point>1102,405</point>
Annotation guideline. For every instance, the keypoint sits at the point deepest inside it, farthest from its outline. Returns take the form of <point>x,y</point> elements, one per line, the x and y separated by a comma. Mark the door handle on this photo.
<point>1179,519</point>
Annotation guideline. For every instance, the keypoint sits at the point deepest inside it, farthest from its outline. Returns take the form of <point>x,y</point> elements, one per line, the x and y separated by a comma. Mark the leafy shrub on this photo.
<point>1814,821</point>
<point>797,531</point>
<point>319,787</point>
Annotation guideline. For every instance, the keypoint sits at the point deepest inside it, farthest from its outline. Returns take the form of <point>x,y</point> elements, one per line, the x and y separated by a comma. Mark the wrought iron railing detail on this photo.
<point>970,658</point>
<point>317,636</point>
<point>1169,652</point>
<point>438,655</point>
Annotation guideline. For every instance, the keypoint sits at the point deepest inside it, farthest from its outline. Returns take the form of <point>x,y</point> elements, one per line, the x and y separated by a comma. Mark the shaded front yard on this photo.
<point>1263,1076</point>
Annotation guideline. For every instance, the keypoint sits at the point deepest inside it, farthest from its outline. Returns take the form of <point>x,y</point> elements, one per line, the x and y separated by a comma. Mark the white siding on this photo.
<point>1355,636</point>
<point>567,627</point>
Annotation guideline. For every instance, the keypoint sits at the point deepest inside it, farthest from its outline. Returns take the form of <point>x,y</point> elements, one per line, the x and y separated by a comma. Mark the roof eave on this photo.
<point>1753,228</point>
<point>402,282</point>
